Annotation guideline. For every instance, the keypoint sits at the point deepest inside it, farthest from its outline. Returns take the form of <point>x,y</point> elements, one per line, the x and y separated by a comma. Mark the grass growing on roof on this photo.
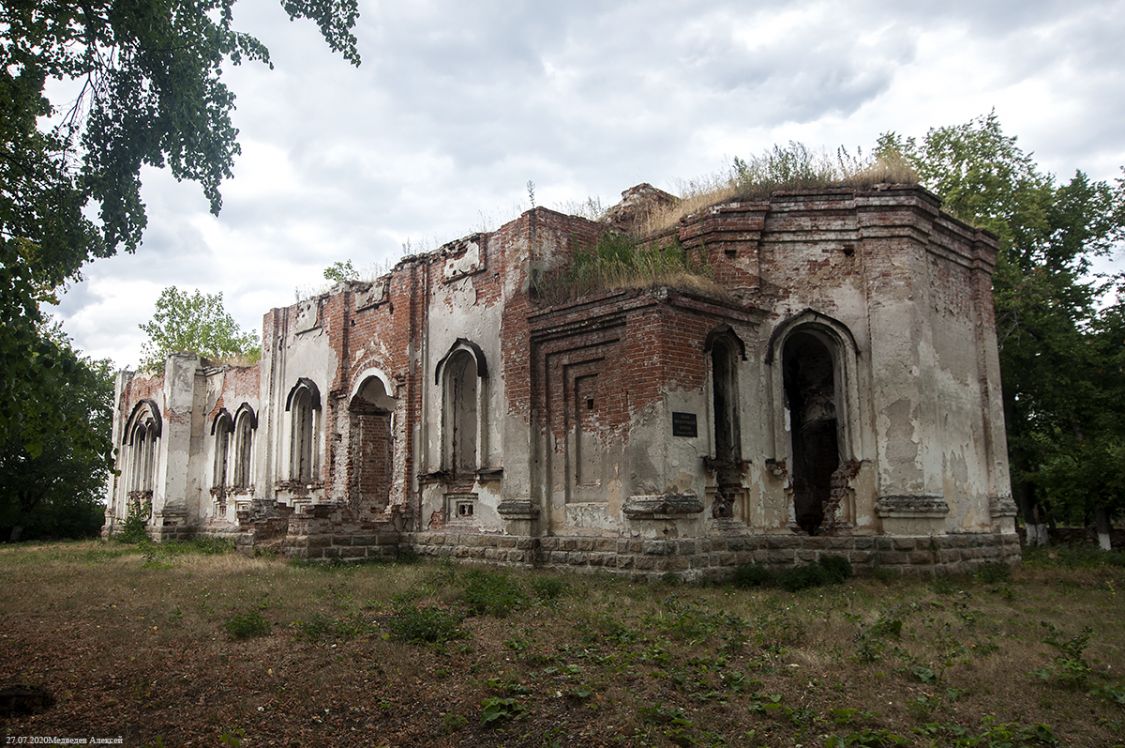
<point>619,261</point>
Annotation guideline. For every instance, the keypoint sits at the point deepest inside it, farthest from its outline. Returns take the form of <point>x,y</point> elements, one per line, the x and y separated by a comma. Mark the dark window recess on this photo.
<point>464,509</point>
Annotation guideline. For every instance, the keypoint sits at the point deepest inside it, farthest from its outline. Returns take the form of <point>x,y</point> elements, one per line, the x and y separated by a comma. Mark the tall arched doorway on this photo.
<point>371,446</point>
<point>810,396</point>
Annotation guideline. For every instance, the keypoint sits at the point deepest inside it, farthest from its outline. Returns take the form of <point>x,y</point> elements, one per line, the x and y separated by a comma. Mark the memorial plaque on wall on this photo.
<point>684,424</point>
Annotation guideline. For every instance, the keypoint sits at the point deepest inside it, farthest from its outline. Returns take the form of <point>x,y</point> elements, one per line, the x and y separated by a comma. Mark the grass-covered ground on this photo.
<point>179,645</point>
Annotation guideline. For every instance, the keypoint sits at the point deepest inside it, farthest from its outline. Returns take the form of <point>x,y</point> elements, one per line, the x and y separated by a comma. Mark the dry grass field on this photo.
<point>188,645</point>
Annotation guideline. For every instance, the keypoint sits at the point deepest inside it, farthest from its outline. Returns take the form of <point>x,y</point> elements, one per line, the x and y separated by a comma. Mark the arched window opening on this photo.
<point>143,449</point>
<point>371,446</point>
<point>303,405</point>
<point>810,396</point>
<point>727,459</point>
<point>244,425</point>
<point>460,415</point>
<point>222,429</point>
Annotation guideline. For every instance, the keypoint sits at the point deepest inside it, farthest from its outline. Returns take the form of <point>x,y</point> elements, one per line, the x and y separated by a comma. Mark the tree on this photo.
<point>1062,384</point>
<point>54,464</point>
<point>194,323</point>
<point>341,271</point>
<point>150,92</point>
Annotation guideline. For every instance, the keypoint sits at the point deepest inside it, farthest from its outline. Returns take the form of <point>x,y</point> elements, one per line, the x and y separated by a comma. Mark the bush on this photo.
<point>828,570</point>
<point>752,575</point>
<point>803,577</point>
<point>839,568</point>
<point>548,588</point>
<point>994,573</point>
<point>425,625</point>
<point>492,593</point>
<point>247,625</point>
<point>134,529</point>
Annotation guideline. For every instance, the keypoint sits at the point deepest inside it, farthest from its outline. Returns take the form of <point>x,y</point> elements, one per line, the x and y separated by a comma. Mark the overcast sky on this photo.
<point>457,105</point>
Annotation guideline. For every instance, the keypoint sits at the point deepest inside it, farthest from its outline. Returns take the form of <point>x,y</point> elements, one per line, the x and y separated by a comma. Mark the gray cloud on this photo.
<point>457,105</point>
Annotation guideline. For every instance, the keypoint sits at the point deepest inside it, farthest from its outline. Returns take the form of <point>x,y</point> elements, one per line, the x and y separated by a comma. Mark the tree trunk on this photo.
<point>1032,512</point>
<point>1101,524</point>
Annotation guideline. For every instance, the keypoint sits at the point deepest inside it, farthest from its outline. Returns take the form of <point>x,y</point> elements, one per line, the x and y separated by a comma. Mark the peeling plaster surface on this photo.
<point>581,410</point>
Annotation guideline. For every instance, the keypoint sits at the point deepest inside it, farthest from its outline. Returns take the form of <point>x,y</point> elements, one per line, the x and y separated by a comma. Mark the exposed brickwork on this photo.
<point>579,400</point>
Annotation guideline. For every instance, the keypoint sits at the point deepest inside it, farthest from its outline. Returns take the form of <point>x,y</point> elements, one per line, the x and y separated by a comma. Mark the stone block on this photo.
<point>921,557</point>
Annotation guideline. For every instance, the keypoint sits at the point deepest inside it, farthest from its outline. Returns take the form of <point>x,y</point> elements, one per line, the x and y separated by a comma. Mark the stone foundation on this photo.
<point>323,539</point>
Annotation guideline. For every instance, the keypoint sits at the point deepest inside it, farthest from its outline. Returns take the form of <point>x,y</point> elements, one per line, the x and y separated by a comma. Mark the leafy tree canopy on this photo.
<point>148,75</point>
<point>194,323</point>
<point>54,462</point>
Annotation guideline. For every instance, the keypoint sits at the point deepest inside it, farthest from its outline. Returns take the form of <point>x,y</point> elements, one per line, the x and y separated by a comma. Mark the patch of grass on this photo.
<point>827,570</point>
<point>663,665</point>
<point>993,733</point>
<point>493,593</point>
<point>868,738</point>
<point>318,627</point>
<point>789,167</point>
<point>994,573</point>
<point>1069,669</point>
<point>619,261</point>
<point>424,625</point>
<point>548,588</point>
<point>1086,556</point>
<point>247,625</point>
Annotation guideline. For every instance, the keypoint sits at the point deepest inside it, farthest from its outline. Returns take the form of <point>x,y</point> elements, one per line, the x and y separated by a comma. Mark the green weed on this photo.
<point>425,625</point>
<point>247,625</point>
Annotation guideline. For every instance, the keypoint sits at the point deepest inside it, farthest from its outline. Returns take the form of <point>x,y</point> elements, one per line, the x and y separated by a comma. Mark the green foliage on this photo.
<point>753,575</point>
<point>491,593</point>
<point>994,573</point>
<point>247,625</point>
<point>341,271</point>
<point>194,323</point>
<point>55,451</point>
<point>827,570</point>
<point>838,568</point>
<point>495,710</point>
<point>796,166</point>
<point>319,626</point>
<point>548,588</point>
<point>150,93</point>
<point>867,738</point>
<point>1062,349</point>
<point>993,734</point>
<point>134,529</point>
<point>1069,668</point>
<point>421,625</point>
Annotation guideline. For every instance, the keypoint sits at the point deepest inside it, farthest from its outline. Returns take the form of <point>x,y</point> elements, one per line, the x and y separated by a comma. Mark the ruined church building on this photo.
<point>834,388</point>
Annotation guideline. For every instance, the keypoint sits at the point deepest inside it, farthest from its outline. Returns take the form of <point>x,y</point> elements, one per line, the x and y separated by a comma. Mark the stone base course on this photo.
<point>693,559</point>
